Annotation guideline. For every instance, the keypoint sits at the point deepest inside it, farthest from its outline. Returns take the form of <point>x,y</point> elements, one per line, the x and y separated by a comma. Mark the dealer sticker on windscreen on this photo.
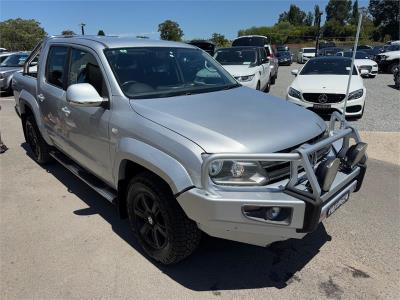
<point>338,204</point>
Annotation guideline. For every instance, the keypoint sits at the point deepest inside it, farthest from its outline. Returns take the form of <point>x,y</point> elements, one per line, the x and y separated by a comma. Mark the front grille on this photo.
<point>280,170</point>
<point>323,98</point>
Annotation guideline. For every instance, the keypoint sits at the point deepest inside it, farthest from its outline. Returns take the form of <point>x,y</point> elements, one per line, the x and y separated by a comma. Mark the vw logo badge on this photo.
<point>323,98</point>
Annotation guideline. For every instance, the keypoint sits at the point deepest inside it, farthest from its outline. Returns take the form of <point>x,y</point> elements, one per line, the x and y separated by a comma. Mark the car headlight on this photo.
<point>356,94</point>
<point>245,78</point>
<point>294,93</point>
<point>244,173</point>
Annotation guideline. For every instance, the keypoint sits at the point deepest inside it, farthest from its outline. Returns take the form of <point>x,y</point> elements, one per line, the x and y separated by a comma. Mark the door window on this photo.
<point>263,56</point>
<point>56,64</point>
<point>85,69</point>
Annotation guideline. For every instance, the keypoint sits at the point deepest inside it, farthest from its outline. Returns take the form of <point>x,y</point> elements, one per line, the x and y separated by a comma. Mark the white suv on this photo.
<point>305,54</point>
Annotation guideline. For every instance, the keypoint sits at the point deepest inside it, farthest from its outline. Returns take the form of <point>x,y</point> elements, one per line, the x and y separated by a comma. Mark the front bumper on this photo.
<point>219,211</point>
<point>354,107</point>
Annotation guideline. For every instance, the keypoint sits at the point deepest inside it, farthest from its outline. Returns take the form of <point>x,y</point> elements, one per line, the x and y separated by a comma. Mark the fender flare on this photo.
<point>153,159</point>
<point>26,99</point>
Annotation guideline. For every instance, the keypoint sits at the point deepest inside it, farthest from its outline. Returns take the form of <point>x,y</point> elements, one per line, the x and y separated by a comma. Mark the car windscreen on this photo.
<point>359,55</point>
<point>14,60</point>
<point>283,54</point>
<point>234,56</point>
<point>308,50</point>
<point>250,41</point>
<point>327,67</point>
<point>157,72</point>
<point>393,48</point>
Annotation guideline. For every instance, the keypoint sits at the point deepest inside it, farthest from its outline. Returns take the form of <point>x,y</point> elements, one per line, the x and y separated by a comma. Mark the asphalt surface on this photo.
<point>382,111</point>
<point>59,239</point>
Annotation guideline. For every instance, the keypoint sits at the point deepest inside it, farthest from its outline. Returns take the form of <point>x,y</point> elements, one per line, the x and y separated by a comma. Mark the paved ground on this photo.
<point>59,239</point>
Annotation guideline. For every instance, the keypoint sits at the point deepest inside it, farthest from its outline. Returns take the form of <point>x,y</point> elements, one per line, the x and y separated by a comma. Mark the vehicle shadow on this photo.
<point>392,86</point>
<point>217,264</point>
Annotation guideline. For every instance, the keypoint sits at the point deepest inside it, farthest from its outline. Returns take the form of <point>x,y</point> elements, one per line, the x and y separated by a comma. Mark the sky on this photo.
<point>197,18</point>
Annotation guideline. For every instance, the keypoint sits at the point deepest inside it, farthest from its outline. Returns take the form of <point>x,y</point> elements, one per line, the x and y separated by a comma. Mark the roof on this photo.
<point>117,41</point>
<point>241,47</point>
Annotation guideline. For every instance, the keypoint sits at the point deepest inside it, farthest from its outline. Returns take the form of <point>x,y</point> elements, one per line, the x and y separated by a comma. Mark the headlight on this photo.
<point>228,172</point>
<point>356,94</point>
<point>245,78</point>
<point>294,93</point>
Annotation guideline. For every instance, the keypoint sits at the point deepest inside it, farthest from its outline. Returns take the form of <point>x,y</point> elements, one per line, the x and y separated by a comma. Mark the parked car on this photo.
<point>362,62</point>
<point>363,47</point>
<point>161,130</point>
<point>396,77</point>
<point>4,55</point>
<point>388,61</point>
<point>249,65</point>
<point>282,48</point>
<point>326,44</point>
<point>260,41</point>
<point>284,58</point>
<point>13,63</point>
<point>3,50</point>
<point>207,46</point>
<point>321,86</point>
<point>305,54</point>
<point>374,51</point>
<point>329,51</point>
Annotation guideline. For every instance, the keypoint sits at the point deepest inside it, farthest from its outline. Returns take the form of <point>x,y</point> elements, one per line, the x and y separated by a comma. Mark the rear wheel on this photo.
<point>162,228</point>
<point>39,147</point>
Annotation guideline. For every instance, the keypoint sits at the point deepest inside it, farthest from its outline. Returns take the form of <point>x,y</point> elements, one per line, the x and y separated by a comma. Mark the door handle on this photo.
<point>66,111</point>
<point>41,97</point>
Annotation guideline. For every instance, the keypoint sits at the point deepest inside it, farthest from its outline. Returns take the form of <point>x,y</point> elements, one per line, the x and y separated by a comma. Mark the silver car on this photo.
<point>13,63</point>
<point>161,130</point>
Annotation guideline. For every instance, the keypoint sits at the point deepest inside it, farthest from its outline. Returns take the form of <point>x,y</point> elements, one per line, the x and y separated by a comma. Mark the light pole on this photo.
<point>83,28</point>
<point>318,21</point>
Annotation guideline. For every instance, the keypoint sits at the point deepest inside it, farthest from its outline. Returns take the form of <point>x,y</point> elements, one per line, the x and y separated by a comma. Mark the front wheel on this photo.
<point>164,231</point>
<point>33,137</point>
<point>258,87</point>
<point>392,67</point>
<point>268,86</point>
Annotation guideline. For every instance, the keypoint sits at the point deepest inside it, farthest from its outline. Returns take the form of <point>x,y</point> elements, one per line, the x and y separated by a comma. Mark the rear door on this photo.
<point>51,91</point>
<point>266,66</point>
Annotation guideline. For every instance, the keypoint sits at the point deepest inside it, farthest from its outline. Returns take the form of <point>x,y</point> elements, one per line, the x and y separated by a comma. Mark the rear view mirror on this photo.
<point>84,95</point>
<point>294,72</point>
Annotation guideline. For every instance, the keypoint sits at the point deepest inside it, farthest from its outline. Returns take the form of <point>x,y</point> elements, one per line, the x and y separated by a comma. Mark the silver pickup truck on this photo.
<point>161,130</point>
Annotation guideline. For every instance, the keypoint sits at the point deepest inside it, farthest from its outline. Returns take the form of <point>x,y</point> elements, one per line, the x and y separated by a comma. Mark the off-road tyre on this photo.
<point>168,236</point>
<point>40,149</point>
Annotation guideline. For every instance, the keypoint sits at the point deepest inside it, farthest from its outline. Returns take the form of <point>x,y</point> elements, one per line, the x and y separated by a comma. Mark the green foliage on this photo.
<point>20,34</point>
<point>334,29</point>
<point>294,16</point>
<point>386,18</point>
<point>309,19</point>
<point>338,10</point>
<point>101,32</point>
<point>170,30</point>
<point>68,32</point>
<point>219,40</point>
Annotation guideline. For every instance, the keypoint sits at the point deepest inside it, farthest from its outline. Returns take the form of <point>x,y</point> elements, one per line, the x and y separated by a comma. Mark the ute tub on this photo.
<point>221,211</point>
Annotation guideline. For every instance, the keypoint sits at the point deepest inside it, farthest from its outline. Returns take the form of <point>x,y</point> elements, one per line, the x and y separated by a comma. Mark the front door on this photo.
<point>86,128</point>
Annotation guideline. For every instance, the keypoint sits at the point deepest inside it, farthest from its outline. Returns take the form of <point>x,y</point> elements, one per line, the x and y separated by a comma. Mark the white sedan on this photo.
<point>321,86</point>
<point>249,65</point>
<point>362,62</point>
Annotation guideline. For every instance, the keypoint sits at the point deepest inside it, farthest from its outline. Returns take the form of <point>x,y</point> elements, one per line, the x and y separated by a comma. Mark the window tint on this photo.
<point>332,66</point>
<point>263,55</point>
<point>85,69</point>
<point>56,63</point>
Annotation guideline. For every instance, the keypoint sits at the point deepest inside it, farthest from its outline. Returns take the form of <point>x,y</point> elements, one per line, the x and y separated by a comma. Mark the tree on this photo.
<point>170,30</point>
<point>338,10</point>
<point>219,40</point>
<point>101,32</point>
<point>317,14</point>
<point>295,16</point>
<point>354,13</point>
<point>385,15</point>
<point>20,34</point>
<point>68,32</point>
<point>309,19</point>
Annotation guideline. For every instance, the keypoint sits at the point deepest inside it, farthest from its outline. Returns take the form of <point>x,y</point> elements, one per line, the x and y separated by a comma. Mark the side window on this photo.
<point>85,69</point>
<point>263,55</point>
<point>56,64</point>
<point>267,50</point>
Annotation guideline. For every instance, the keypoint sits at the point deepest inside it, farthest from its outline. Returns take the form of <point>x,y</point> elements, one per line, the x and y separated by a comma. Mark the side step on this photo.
<point>91,180</point>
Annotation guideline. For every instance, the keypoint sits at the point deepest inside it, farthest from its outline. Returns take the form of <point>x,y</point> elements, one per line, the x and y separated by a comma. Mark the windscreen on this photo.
<point>234,56</point>
<point>327,67</point>
<point>157,72</point>
<point>15,60</point>
<point>250,41</point>
<point>359,55</point>
<point>308,50</point>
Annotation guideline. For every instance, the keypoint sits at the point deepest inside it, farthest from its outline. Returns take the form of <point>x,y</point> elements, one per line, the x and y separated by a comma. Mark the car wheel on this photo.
<point>161,226</point>
<point>268,86</point>
<point>273,78</point>
<point>392,67</point>
<point>258,87</point>
<point>33,137</point>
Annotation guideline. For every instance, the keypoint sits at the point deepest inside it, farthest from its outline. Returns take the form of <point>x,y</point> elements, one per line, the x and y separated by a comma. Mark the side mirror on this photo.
<point>84,95</point>
<point>364,72</point>
<point>294,72</point>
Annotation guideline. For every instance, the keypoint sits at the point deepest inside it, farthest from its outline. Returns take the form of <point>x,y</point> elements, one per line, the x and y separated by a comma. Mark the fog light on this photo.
<point>355,154</point>
<point>272,213</point>
<point>326,173</point>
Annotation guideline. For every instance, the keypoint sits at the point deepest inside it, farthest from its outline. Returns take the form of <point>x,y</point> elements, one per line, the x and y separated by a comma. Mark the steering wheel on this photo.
<point>128,82</point>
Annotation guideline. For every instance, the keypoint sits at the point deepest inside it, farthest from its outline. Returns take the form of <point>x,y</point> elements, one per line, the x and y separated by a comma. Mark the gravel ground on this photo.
<point>382,111</point>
